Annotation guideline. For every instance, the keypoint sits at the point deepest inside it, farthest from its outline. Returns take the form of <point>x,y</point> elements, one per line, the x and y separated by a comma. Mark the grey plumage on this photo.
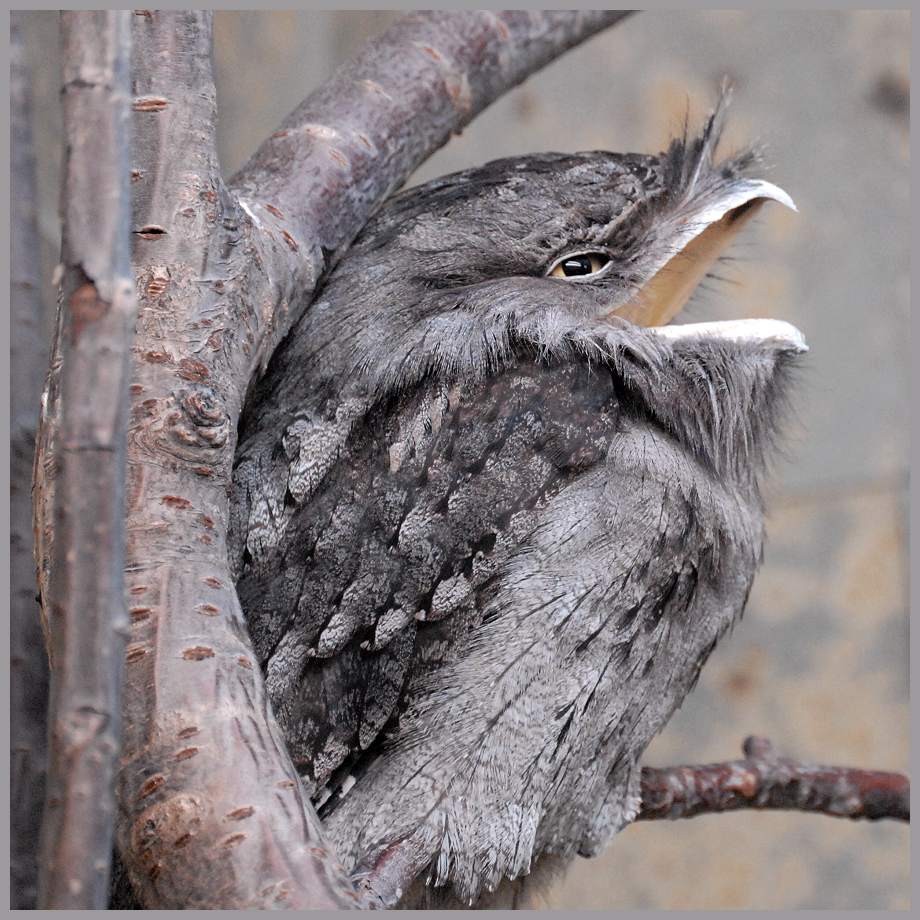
<point>486,533</point>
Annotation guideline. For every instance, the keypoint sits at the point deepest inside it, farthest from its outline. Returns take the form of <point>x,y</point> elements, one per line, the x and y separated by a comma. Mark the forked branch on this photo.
<point>212,812</point>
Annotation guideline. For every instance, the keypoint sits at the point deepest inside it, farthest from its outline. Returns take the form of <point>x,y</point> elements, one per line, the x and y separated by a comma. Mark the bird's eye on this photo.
<point>579,265</point>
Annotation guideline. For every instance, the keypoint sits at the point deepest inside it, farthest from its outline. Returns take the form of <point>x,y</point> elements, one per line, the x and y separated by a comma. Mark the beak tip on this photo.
<point>778,194</point>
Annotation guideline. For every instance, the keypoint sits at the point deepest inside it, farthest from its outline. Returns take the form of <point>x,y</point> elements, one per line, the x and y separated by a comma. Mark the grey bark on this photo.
<point>84,604</point>
<point>28,664</point>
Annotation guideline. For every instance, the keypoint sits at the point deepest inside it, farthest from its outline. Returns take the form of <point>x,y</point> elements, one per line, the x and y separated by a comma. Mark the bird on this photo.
<point>492,509</point>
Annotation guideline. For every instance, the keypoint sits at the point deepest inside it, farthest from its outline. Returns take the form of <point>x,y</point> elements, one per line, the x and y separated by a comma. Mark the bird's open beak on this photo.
<point>700,241</point>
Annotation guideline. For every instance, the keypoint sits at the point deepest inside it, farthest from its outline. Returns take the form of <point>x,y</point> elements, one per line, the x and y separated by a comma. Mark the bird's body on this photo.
<point>486,530</point>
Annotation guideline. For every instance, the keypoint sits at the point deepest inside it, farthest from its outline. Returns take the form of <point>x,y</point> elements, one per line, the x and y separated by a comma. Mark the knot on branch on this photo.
<point>161,831</point>
<point>206,413</point>
<point>755,748</point>
<point>191,424</point>
<point>202,422</point>
<point>86,308</point>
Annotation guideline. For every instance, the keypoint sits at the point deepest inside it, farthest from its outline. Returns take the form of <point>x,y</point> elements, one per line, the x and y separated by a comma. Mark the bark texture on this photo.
<point>28,663</point>
<point>85,595</point>
<point>764,780</point>
<point>206,779</point>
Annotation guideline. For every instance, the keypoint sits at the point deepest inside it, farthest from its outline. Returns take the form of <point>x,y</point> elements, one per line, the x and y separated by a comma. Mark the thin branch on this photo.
<point>763,780</point>
<point>358,137</point>
<point>28,663</point>
<point>86,615</point>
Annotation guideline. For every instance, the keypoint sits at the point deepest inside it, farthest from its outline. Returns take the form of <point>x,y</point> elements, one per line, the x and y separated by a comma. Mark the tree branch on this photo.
<point>212,812</point>
<point>358,137</point>
<point>29,665</point>
<point>85,612</point>
<point>763,780</point>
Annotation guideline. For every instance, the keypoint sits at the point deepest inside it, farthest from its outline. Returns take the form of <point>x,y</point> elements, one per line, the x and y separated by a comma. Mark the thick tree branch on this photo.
<point>312,185</point>
<point>28,662</point>
<point>763,780</point>
<point>85,605</point>
<point>212,812</point>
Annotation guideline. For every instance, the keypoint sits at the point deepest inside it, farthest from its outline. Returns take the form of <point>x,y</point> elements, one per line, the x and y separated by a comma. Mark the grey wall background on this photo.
<point>820,662</point>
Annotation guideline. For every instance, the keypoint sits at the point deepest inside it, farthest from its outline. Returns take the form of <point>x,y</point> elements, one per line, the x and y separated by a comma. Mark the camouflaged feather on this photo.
<point>485,536</point>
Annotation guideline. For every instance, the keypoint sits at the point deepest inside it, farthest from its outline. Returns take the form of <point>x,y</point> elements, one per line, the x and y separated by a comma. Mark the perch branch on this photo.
<point>85,604</point>
<point>357,138</point>
<point>28,663</point>
<point>212,813</point>
<point>763,780</point>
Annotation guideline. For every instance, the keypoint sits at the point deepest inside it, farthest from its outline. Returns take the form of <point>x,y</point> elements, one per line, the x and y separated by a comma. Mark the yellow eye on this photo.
<point>579,265</point>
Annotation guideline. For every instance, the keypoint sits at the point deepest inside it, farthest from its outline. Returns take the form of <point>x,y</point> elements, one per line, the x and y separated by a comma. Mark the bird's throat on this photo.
<point>667,293</point>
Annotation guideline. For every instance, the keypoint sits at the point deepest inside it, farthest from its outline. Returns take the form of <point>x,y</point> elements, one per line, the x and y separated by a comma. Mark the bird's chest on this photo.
<point>423,506</point>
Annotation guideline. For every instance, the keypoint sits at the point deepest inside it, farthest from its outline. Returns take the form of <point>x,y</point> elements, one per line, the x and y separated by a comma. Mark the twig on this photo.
<point>763,780</point>
<point>29,665</point>
<point>86,615</point>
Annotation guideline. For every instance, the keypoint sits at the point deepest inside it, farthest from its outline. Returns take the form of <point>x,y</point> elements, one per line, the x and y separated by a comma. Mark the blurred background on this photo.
<point>820,662</point>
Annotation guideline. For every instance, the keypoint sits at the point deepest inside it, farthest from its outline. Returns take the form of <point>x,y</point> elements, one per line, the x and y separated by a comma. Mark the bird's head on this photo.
<point>588,254</point>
